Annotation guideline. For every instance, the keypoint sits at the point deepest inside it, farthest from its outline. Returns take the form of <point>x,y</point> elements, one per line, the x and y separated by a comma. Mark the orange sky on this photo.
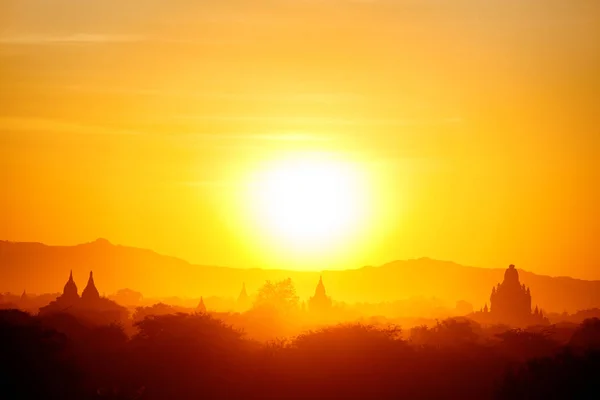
<point>138,121</point>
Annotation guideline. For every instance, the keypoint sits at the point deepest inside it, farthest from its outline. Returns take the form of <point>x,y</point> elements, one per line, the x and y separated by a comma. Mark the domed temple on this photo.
<point>510,303</point>
<point>511,300</point>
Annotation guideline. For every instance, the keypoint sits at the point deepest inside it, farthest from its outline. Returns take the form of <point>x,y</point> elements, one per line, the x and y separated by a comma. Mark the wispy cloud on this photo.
<point>333,121</point>
<point>16,124</point>
<point>277,137</point>
<point>206,183</point>
<point>58,126</point>
<point>309,97</point>
<point>75,38</point>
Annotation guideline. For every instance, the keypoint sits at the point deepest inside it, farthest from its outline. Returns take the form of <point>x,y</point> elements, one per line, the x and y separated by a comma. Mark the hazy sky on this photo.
<point>139,121</point>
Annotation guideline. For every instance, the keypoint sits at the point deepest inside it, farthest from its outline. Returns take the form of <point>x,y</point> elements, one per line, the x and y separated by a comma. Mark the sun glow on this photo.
<point>310,203</point>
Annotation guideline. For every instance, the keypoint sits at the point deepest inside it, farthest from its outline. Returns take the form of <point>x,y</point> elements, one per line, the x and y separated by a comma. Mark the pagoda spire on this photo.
<point>90,292</point>
<point>320,290</point>
<point>70,289</point>
<point>243,300</point>
<point>243,293</point>
<point>201,307</point>
<point>320,301</point>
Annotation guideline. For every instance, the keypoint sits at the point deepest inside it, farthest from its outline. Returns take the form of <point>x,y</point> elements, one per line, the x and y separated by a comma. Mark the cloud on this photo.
<point>308,97</point>
<point>16,124</point>
<point>207,183</point>
<point>75,38</point>
<point>278,137</point>
<point>332,121</point>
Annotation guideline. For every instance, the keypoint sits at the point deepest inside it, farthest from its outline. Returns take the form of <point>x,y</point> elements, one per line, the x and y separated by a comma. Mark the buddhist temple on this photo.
<point>319,302</point>
<point>90,293</point>
<point>90,305</point>
<point>201,308</point>
<point>70,293</point>
<point>243,300</point>
<point>510,303</point>
<point>24,301</point>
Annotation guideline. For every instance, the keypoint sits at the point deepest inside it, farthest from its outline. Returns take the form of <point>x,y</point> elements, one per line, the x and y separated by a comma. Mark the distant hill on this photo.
<point>39,268</point>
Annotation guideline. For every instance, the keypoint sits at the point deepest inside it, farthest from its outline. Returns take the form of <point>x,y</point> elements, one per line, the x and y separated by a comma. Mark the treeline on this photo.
<point>197,356</point>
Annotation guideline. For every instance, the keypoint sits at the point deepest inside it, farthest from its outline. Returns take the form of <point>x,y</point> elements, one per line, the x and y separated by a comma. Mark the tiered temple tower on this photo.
<point>510,301</point>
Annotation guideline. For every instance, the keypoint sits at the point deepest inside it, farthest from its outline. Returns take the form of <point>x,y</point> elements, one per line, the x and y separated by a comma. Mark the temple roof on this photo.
<point>90,292</point>
<point>70,288</point>
<point>511,275</point>
<point>243,294</point>
<point>320,290</point>
<point>201,307</point>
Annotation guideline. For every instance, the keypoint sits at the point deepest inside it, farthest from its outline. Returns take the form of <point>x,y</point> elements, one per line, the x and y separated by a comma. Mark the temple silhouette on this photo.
<point>201,308</point>
<point>320,303</point>
<point>70,294</point>
<point>89,305</point>
<point>510,303</point>
<point>243,301</point>
<point>90,293</point>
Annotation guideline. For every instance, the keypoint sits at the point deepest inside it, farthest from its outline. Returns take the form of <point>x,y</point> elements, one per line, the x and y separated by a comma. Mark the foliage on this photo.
<point>279,296</point>
<point>191,356</point>
<point>155,309</point>
<point>587,335</point>
<point>449,332</point>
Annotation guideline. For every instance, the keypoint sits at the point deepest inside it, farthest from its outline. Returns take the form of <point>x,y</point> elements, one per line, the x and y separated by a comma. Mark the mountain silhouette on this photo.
<point>39,268</point>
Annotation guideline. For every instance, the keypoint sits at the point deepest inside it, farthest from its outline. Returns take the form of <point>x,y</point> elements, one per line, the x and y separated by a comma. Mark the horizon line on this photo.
<point>422,258</point>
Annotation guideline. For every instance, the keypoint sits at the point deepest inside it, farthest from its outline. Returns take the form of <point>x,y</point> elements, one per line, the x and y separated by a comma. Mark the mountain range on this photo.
<point>39,268</point>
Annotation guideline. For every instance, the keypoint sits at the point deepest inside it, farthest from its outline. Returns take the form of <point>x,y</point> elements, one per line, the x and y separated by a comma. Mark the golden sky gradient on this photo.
<point>475,125</point>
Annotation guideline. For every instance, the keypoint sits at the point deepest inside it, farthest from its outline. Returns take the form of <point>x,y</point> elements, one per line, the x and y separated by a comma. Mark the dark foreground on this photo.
<point>199,357</point>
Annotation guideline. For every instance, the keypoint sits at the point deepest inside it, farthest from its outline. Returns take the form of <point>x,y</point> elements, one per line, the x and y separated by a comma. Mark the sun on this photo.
<point>310,202</point>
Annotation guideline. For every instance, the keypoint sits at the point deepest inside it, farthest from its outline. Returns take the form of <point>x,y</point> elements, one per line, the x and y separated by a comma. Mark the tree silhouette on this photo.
<point>189,356</point>
<point>279,296</point>
<point>587,335</point>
